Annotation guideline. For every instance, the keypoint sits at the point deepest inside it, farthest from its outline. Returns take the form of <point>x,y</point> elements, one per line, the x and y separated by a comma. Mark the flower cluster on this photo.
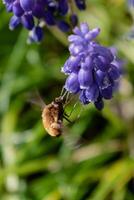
<point>34,14</point>
<point>93,69</point>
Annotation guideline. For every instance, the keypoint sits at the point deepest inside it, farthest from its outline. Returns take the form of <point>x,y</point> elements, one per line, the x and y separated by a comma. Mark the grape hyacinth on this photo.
<point>34,14</point>
<point>93,70</point>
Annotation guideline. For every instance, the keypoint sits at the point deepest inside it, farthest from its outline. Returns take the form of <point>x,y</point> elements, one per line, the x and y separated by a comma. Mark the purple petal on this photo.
<point>107,92</point>
<point>85,78</point>
<point>72,64</point>
<point>27,21</point>
<point>75,38</point>
<point>49,18</point>
<point>81,4</point>
<point>14,22</point>
<point>83,98</point>
<point>36,34</point>
<point>99,77</point>
<point>87,64</point>
<point>75,49</point>
<point>84,28</point>
<point>92,93</point>
<point>63,7</point>
<point>74,20</point>
<point>72,84</point>
<point>77,31</point>
<point>114,72</point>
<point>101,63</point>
<point>27,5</point>
<point>17,9</point>
<point>38,11</point>
<point>63,26</point>
<point>99,104</point>
<point>105,52</point>
<point>92,34</point>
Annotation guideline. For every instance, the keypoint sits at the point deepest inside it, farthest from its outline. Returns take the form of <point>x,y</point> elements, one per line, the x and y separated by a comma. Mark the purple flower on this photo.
<point>14,22</point>
<point>131,4</point>
<point>72,83</point>
<point>73,19</point>
<point>32,13</point>
<point>28,21</point>
<point>85,78</point>
<point>27,5</point>
<point>80,4</point>
<point>93,70</point>
<point>17,9</point>
<point>63,26</point>
<point>36,35</point>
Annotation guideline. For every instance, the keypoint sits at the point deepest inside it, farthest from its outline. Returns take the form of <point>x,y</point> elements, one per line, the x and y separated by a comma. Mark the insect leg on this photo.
<point>67,98</point>
<point>65,117</point>
<point>68,115</point>
<point>62,91</point>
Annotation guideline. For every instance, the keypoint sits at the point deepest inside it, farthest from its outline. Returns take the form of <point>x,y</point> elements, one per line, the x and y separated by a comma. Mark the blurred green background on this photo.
<point>95,158</point>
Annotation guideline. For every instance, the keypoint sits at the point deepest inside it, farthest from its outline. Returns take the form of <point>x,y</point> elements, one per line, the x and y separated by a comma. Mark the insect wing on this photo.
<point>36,99</point>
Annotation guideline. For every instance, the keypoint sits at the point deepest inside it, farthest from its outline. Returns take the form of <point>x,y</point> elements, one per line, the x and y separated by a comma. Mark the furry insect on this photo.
<point>52,114</point>
<point>52,117</point>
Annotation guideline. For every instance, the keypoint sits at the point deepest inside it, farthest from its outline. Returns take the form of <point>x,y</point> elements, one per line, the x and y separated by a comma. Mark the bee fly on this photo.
<point>52,114</point>
<point>52,117</point>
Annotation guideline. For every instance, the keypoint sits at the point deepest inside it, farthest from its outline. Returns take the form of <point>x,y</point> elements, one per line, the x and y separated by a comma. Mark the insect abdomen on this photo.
<point>51,121</point>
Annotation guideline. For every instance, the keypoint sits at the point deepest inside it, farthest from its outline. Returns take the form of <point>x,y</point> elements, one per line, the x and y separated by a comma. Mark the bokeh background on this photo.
<point>94,160</point>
